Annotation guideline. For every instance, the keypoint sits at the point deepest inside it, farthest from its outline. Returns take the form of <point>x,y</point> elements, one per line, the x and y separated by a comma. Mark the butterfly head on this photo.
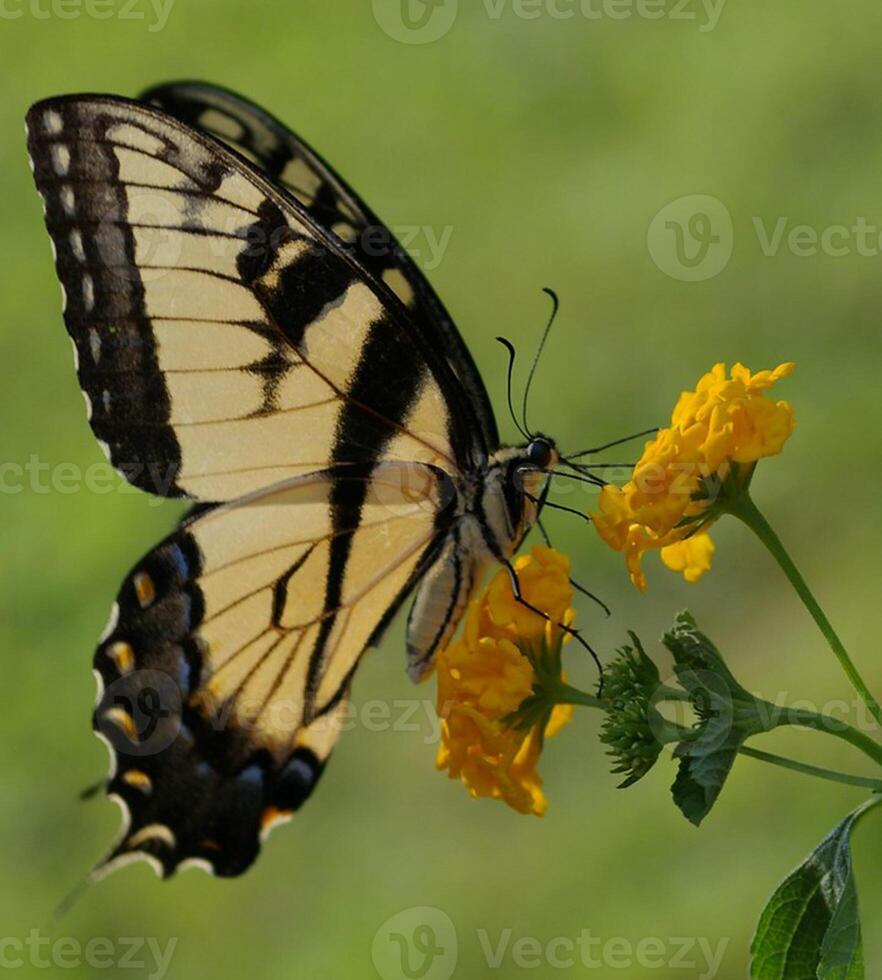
<point>514,487</point>
<point>529,472</point>
<point>541,452</point>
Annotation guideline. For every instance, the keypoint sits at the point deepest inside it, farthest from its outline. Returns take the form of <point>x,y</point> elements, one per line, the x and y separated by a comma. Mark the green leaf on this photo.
<point>728,715</point>
<point>811,926</point>
<point>693,652</point>
<point>705,762</point>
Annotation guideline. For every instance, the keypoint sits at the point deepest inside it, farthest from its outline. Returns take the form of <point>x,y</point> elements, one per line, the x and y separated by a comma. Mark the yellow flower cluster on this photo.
<point>727,419</point>
<point>483,677</point>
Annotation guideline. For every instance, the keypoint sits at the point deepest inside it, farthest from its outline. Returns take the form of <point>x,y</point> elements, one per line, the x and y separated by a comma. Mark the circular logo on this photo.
<point>691,238</point>
<point>416,944</point>
<point>415,21</point>
<point>140,712</point>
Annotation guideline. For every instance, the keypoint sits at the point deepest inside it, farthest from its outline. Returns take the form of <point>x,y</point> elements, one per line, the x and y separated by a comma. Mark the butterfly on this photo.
<point>243,343</point>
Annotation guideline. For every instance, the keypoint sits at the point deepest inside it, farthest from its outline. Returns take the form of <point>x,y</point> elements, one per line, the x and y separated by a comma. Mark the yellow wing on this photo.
<point>224,340</point>
<point>231,648</point>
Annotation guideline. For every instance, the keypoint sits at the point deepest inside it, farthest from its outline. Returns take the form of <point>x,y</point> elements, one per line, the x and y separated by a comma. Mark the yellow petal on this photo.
<point>691,556</point>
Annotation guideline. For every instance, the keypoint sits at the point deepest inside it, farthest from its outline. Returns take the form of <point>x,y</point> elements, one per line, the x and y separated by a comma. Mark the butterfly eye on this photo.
<point>539,453</point>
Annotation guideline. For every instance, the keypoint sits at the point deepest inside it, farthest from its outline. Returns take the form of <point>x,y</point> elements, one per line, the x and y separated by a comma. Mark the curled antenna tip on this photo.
<point>512,353</point>
<point>554,297</point>
<point>555,305</point>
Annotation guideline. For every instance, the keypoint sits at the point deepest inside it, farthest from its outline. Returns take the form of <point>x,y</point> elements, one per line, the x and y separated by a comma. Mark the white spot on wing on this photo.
<point>121,860</point>
<point>111,772</point>
<point>95,344</point>
<point>63,298</point>
<point>196,863</point>
<point>99,687</point>
<point>52,122</point>
<point>76,354</point>
<point>88,293</point>
<point>67,199</point>
<point>88,402</point>
<point>278,821</point>
<point>112,621</point>
<point>60,159</point>
<point>76,244</point>
<point>153,831</point>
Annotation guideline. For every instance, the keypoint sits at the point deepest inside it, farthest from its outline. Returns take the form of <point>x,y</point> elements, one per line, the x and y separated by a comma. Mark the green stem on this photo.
<point>808,770</point>
<point>565,694</point>
<point>746,510</point>
<point>834,727</point>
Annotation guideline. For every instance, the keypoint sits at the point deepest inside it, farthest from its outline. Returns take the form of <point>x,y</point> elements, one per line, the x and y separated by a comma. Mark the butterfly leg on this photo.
<point>573,582</point>
<point>519,597</point>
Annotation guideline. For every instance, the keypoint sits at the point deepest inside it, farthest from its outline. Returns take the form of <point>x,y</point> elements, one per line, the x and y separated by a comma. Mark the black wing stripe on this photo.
<point>398,361</point>
<point>120,296</point>
<point>209,744</point>
<point>281,271</point>
<point>330,201</point>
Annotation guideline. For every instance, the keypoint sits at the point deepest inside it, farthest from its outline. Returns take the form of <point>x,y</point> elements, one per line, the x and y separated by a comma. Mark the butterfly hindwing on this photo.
<point>230,652</point>
<point>224,341</point>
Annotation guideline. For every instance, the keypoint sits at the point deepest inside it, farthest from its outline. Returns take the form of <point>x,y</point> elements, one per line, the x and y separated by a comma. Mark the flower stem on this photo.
<point>830,774</point>
<point>566,694</point>
<point>746,510</point>
<point>835,727</point>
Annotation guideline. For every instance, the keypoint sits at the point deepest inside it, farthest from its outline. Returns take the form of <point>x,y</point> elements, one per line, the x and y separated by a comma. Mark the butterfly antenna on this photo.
<point>512,353</point>
<point>615,442</point>
<point>555,306</point>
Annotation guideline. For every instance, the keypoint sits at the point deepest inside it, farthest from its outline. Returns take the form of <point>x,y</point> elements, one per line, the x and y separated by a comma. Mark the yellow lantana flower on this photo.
<point>483,677</point>
<point>718,432</point>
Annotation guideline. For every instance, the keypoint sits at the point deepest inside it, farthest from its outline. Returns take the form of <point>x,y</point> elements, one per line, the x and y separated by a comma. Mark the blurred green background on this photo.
<point>544,147</point>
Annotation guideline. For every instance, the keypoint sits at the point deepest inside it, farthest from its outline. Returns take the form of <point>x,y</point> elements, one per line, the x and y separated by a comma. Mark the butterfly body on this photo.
<point>241,343</point>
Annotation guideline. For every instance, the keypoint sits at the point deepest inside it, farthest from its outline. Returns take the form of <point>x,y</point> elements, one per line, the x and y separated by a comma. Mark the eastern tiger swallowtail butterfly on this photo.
<point>238,343</point>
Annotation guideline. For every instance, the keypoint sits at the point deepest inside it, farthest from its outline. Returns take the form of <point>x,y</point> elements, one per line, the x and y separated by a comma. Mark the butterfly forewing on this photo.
<point>334,205</point>
<point>224,342</point>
